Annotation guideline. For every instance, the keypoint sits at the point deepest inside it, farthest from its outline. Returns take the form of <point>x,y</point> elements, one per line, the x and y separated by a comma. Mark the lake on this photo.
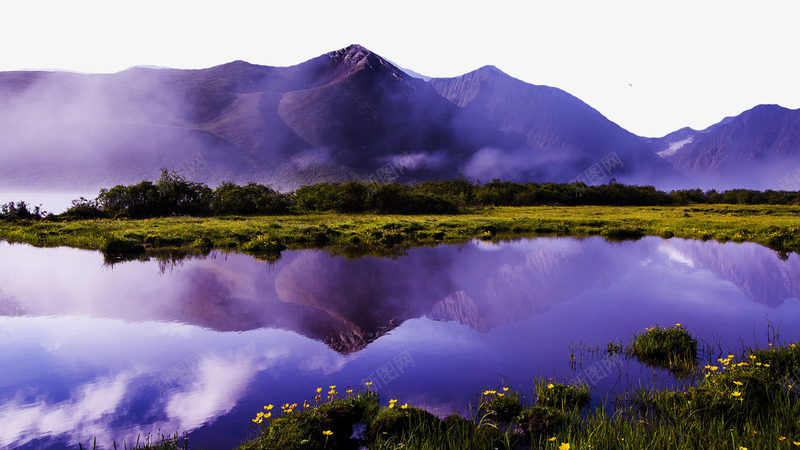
<point>92,350</point>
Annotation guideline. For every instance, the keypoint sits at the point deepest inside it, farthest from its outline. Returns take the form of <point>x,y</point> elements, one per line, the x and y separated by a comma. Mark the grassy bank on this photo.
<point>744,401</point>
<point>777,227</point>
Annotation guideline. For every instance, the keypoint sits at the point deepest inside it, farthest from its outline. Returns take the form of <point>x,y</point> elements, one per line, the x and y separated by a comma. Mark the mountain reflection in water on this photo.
<point>348,303</point>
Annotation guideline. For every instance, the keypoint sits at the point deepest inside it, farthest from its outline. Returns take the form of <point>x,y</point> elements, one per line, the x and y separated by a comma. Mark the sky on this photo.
<point>652,67</point>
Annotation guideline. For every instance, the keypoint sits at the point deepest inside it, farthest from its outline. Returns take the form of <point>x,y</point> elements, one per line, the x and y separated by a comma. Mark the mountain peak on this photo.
<point>354,55</point>
<point>356,58</point>
<point>490,70</point>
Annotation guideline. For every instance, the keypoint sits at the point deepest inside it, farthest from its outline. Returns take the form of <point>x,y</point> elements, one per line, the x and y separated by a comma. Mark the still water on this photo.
<point>115,352</point>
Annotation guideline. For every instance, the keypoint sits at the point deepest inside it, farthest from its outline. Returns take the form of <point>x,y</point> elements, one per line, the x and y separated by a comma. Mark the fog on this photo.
<point>346,114</point>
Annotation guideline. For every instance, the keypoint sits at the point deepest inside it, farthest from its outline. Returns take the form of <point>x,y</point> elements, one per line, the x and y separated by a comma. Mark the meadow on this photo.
<point>774,226</point>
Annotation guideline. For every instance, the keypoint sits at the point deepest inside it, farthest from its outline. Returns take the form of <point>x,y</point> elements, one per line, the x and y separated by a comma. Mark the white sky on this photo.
<point>652,67</point>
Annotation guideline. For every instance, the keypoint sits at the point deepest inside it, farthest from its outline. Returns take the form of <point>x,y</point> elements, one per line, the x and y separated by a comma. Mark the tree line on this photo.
<point>173,195</point>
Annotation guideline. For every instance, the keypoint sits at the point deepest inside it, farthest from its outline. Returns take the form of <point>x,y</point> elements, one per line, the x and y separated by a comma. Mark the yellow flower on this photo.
<point>738,383</point>
<point>752,356</point>
<point>349,391</point>
<point>332,387</point>
<point>766,365</point>
<point>552,439</point>
<point>500,394</point>
<point>404,406</point>
<point>327,432</point>
<point>551,386</point>
<point>268,407</point>
<point>319,390</point>
<point>742,448</point>
<point>736,393</point>
<point>782,438</point>
<point>795,442</point>
<point>368,383</point>
<point>563,446</point>
<point>677,324</point>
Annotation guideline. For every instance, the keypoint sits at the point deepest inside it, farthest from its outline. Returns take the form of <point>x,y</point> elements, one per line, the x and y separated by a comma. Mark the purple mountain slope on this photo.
<point>758,149</point>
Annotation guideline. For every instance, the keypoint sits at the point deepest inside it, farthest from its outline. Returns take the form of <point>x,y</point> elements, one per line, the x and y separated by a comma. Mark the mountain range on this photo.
<point>351,114</point>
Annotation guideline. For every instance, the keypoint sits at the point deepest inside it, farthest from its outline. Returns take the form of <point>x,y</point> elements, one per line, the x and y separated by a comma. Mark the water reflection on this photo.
<point>348,303</point>
<point>200,343</point>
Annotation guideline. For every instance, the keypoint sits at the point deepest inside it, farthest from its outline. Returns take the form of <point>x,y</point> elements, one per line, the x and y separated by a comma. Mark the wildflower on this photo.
<point>563,446</point>
<point>738,383</point>
<point>332,387</point>
<point>796,443</point>
<point>677,324</point>
<point>368,384</point>
<point>766,365</point>
<point>782,438</point>
<point>404,406</point>
<point>349,391</point>
<point>500,394</point>
<point>752,356</point>
<point>319,389</point>
<point>552,439</point>
<point>551,386</point>
<point>736,393</point>
<point>327,432</point>
<point>742,448</point>
<point>268,407</point>
<point>505,389</point>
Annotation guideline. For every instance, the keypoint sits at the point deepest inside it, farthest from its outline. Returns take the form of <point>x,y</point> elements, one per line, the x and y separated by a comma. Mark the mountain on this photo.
<point>758,149</point>
<point>345,114</point>
<point>574,137</point>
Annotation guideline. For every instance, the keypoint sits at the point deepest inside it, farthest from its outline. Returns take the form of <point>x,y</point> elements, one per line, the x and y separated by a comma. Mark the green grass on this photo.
<point>670,348</point>
<point>358,234</point>
<point>748,403</point>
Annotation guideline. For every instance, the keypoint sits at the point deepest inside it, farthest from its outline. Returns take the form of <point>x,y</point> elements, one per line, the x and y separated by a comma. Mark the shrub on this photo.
<point>85,209</point>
